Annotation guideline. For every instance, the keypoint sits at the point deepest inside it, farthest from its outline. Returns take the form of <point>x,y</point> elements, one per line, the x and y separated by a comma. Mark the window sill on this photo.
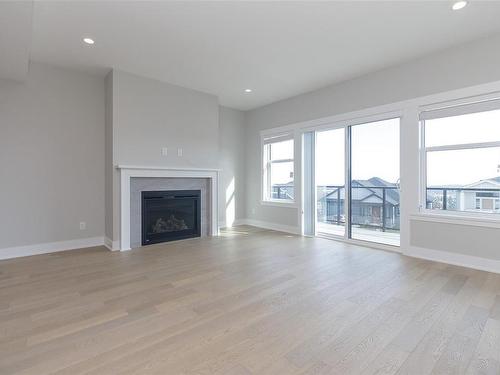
<point>276,203</point>
<point>458,219</point>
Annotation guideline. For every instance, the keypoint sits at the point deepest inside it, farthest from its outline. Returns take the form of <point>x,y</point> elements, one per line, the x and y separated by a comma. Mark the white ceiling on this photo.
<point>278,49</point>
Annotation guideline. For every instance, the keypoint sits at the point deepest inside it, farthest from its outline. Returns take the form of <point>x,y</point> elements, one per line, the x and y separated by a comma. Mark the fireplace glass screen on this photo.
<point>170,215</point>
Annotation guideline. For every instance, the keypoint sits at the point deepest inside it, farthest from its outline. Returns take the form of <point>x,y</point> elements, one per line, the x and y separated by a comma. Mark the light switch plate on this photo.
<point>179,152</point>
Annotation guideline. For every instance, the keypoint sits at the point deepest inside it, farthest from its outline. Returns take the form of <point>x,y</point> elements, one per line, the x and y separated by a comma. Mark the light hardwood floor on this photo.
<point>248,302</point>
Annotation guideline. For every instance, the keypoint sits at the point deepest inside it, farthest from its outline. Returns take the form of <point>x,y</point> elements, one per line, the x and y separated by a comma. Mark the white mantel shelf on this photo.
<point>160,168</point>
<point>132,171</point>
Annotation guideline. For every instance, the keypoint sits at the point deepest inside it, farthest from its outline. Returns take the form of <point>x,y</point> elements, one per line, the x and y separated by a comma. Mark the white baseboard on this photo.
<point>461,260</point>
<point>50,247</point>
<point>371,245</point>
<point>469,261</point>
<point>236,222</point>
<point>111,245</point>
<point>268,225</point>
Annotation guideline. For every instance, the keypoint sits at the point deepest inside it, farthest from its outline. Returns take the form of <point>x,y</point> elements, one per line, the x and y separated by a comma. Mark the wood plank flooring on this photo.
<point>248,302</point>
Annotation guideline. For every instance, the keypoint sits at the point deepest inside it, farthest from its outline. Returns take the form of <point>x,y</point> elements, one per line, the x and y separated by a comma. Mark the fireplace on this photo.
<point>170,215</point>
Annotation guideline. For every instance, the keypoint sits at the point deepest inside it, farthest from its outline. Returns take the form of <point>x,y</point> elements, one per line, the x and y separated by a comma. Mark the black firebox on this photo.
<point>170,215</point>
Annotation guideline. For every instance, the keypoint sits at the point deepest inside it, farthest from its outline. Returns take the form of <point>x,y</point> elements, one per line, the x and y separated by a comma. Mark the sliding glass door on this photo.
<point>357,192</point>
<point>374,182</point>
<point>330,182</point>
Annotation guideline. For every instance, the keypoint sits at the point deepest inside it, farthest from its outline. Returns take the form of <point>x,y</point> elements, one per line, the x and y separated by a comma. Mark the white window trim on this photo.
<point>279,203</point>
<point>483,103</point>
<point>462,146</point>
<point>457,218</point>
<point>266,139</point>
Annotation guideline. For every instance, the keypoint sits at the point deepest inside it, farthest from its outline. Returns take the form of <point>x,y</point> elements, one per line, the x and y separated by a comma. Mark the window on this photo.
<point>278,176</point>
<point>356,177</point>
<point>330,181</point>
<point>461,158</point>
<point>374,184</point>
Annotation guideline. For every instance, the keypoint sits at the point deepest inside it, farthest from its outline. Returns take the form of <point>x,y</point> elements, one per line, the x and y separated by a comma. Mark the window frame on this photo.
<point>266,163</point>
<point>349,146</point>
<point>455,108</point>
<point>347,124</point>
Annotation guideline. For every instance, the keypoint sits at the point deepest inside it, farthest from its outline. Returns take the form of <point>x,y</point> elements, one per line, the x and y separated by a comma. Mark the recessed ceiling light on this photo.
<point>248,90</point>
<point>88,40</point>
<point>459,5</point>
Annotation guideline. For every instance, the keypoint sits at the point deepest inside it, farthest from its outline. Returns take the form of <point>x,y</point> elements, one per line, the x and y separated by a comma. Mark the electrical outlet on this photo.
<point>164,151</point>
<point>253,211</point>
<point>179,152</point>
<point>83,225</point>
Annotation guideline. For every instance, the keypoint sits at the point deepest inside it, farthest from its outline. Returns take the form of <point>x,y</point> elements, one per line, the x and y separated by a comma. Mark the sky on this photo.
<point>375,153</point>
<point>463,167</point>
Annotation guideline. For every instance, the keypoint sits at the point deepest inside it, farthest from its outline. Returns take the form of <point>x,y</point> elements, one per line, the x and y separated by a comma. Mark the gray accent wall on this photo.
<point>151,114</point>
<point>147,115</point>
<point>51,157</point>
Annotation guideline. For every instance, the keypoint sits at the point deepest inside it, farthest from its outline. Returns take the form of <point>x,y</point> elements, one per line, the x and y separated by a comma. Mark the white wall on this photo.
<point>232,162</point>
<point>463,66</point>
<point>51,157</point>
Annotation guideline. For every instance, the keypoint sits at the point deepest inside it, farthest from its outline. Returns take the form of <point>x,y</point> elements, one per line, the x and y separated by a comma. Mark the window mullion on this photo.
<point>281,161</point>
<point>464,146</point>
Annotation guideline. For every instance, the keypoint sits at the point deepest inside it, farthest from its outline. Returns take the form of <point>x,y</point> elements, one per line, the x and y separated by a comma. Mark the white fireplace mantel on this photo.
<point>130,171</point>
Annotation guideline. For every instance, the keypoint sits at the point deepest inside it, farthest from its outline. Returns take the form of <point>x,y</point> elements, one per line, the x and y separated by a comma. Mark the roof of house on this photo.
<point>494,181</point>
<point>370,190</point>
<point>366,191</point>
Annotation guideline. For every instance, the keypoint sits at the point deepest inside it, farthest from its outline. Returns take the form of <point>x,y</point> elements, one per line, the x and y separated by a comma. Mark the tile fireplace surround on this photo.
<point>207,180</point>
<point>140,184</point>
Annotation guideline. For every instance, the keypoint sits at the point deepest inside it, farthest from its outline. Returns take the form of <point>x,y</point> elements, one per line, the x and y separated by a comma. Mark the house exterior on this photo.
<point>283,191</point>
<point>369,198</point>
<point>484,196</point>
<point>375,202</point>
<point>480,196</point>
